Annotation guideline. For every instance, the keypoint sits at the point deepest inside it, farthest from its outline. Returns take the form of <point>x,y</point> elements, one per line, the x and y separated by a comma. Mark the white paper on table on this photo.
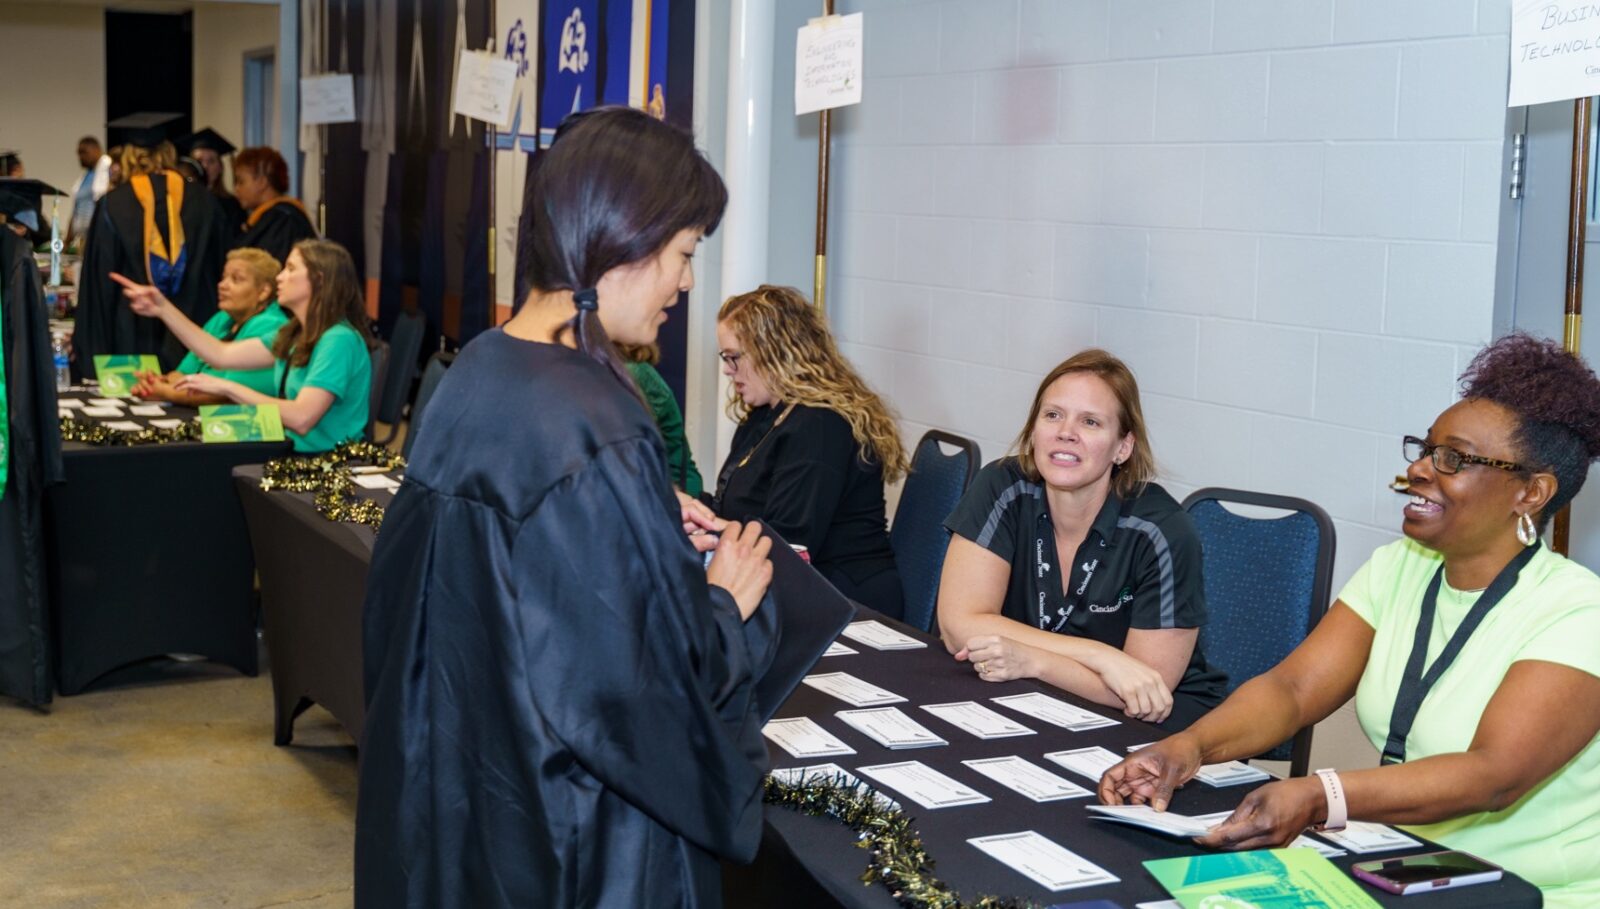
<point>1555,53</point>
<point>69,402</point>
<point>102,411</point>
<point>879,636</point>
<point>827,63</point>
<point>1133,748</point>
<point>1365,836</point>
<point>1091,762</point>
<point>64,414</point>
<point>1230,773</point>
<point>1143,816</point>
<point>147,410</point>
<point>328,98</point>
<point>105,402</point>
<point>1326,850</point>
<point>803,738</point>
<point>851,690</point>
<point>167,423</point>
<point>838,649</point>
<point>1027,778</point>
<point>978,720</point>
<point>831,773</point>
<point>890,727</point>
<point>1159,904</point>
<point>923,784</point>
<point>123,425</point>
<point>1054,711</point>
<point>374,481</point>
<point>1044,861</point>
<point>484,86</point>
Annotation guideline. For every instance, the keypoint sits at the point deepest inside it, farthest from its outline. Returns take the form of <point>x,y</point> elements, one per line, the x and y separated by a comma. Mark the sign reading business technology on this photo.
<point>1555,51</point>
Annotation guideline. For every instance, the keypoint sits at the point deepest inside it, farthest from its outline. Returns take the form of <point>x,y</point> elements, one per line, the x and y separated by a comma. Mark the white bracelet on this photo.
<point>1338,811</point>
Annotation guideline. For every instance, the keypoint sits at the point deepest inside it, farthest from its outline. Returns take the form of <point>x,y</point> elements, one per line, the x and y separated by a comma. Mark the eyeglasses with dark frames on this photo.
<point>730,357</point>
<point>1448,460</point>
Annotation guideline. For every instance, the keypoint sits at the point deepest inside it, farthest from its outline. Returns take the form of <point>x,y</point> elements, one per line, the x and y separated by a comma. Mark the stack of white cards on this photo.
<point>1091,762</point>
<point>1301,841</point>
<point>803,738</point>
<point>1030,780</point>
<point>1365,836</point>
<point>169,423</point>
<point>881,637</point>
<point>838,649</point>
<point>831,774</point>
<point>851,690</point>
<point>978,720</point>
<point>1231,773</point>
<point>147,410</point>
<point>891,728</point>
<point>1042,860</point>
<point>122,425</point>
<point>923,784</point>
<point>1054,711</point>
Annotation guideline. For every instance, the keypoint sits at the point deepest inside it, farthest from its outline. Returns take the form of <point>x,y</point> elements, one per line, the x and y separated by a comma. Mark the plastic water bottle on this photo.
<point>58,348</point>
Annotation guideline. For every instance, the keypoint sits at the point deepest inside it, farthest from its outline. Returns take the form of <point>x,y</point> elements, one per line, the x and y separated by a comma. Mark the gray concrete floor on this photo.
<point>164,789</point>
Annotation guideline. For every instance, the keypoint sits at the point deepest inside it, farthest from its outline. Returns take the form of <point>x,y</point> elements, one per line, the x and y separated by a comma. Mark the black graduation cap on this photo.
<point>18,196</point>
<point>205,138</point>
<point>8,156</point>
<point>146,129</point>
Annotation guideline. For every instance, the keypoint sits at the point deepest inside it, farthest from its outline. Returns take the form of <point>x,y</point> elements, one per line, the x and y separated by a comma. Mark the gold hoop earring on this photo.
<point>1527,533</point>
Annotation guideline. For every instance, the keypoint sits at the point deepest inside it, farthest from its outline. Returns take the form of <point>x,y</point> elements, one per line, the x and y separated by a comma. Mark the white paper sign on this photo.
<point>327,99</point>
<point>827,64</point>
<point>484,85</point>
<point>1555,51</point>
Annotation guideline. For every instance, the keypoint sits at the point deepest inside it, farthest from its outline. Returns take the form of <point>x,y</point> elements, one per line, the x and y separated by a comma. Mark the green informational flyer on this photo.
<point>118,373</point>
<point>1263,879</point>
<point>240,423</point>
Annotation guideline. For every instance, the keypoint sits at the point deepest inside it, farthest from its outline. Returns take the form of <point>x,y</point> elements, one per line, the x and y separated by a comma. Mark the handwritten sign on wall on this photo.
<point>484,85</point>
<point>827,64</point>
<point>327,99</point>
<point>1555,51</point>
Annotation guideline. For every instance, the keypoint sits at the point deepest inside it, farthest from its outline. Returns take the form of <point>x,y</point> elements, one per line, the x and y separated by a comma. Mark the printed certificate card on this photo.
<point>240,423</point>
<point>1275,877</point>
<point>1090,762</point>
<point>977,719</point>
<point>1046,863</point>
<point>1054,711</point>
<point>1029,779</point>
<point>1143,816</point>
<point>803,738</point>
<point>1365,836</point>
<point>891,728</point>
<point>851,690</point>
<point>881,637</point>
<point>923,784</point>
<point>1230,773</point>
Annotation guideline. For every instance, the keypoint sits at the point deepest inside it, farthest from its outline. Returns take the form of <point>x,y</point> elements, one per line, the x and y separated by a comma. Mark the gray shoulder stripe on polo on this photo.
<point>1001,503</point>
<point>1169,604</point>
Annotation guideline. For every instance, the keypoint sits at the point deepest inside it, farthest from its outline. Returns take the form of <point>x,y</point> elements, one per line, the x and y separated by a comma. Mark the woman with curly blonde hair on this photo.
<point>814,447</point>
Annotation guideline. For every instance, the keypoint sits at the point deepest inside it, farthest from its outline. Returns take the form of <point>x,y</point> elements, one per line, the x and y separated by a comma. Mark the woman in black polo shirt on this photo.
<point>1066,563</point>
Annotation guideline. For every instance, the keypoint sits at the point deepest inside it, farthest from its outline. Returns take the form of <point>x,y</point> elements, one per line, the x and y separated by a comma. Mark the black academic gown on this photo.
<point>560,711</point>
<point>35,441</point>
<point>233,214</point>
<point>277,231</point>
<point>105,324</point>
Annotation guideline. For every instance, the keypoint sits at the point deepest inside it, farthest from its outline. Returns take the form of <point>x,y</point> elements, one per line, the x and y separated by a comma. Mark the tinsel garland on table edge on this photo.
<point>75,430</point>
<point>899,860</point>
<point>328,476</point>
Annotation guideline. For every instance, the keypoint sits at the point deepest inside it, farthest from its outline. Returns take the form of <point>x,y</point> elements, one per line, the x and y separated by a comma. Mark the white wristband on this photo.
<point>1338,811</point>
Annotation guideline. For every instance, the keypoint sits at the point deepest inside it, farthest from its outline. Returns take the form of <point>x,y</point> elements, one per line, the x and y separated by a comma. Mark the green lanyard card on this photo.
<point>118,373</point>
<point>240,423</point>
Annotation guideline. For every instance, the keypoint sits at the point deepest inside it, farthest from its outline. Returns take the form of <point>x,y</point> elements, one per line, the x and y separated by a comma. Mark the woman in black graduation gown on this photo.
<point>560,704</point>
<point>814,446</point>
<point>273,221</point>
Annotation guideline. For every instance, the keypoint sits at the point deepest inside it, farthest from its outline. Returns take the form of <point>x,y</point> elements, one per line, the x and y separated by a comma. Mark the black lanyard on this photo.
<point>1415,685</point>
<point>732,465</point>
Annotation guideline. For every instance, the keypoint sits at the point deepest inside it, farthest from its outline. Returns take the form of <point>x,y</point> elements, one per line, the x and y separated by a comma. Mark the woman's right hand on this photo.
<point>1150,775</point>
<point>143,299</point>
<point>741,566</point>
<point>1144,693</point>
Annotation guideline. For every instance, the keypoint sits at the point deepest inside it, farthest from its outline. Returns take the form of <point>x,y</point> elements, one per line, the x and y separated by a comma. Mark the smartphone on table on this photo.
<point>1427,872</point>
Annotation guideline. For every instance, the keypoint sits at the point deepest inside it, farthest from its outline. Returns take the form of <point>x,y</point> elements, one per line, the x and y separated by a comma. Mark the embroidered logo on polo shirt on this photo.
<point>1124,597</point>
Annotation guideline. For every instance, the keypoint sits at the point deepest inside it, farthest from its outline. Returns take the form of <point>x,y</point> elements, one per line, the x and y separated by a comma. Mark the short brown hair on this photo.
<point>264,267</point>
<point>335,297</point>
<point>265,162</point>
<point>1129,477</point>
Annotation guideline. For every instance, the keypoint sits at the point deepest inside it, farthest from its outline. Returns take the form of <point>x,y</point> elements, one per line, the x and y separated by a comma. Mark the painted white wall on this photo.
<point>223,33</point>
<point>56,87</point>
<point>1281,214</point>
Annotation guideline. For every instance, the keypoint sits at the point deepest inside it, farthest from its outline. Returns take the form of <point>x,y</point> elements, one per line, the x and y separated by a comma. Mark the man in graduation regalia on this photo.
<point>154,228</point>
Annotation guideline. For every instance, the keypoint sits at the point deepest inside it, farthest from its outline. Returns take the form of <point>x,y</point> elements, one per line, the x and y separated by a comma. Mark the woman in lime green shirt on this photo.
<point>245,310</point>
<point>1493,751</point>
<point>320,359</point>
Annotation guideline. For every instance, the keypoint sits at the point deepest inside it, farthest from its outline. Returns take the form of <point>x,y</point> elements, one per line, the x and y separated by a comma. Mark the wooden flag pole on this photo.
<point>1577,223</point>
<point>820,278</point>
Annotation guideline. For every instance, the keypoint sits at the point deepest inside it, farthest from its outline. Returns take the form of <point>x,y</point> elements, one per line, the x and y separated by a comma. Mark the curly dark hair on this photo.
<point>1555,397</point>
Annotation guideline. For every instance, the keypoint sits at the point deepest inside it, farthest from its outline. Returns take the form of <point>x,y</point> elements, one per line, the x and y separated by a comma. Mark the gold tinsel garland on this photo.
<point>75,430</point>
<point>899,860</point>
<point>328,477</point>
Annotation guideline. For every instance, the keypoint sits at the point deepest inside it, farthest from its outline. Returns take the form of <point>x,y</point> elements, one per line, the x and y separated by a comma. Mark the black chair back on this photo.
<point>405,342</point>
<point>918,537</point>
<point>380,370</point>
<point>432,375</point>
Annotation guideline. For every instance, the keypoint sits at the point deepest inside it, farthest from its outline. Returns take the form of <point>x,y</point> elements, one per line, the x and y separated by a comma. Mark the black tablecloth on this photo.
<point>148,554</point>
<point>313,581</point>
<point>803,857</point>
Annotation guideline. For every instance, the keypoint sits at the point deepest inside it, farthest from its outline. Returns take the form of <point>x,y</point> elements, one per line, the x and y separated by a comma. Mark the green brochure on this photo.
<point>1263,879</point>
<point>240,423</point>
<point>118,373</point>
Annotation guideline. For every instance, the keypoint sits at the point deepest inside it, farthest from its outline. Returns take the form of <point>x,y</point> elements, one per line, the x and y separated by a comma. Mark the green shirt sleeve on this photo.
<point>217,327</point>
<point>669,419</point>
<point>335,361</point>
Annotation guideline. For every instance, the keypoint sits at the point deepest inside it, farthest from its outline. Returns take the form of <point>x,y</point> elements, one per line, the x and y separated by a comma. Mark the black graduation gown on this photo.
<point>105,324</point>
<point>560,711</point>
<point>35,441</point>
<point>233,214</point>
<point>277,231</point>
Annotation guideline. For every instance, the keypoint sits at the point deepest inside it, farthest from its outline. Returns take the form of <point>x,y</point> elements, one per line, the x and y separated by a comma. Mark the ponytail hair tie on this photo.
<point>587,300</point>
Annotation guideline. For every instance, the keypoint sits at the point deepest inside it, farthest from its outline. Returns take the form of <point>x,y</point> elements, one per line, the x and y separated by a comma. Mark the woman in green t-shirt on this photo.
<point>1494,749</point>
<point>321,364</point>
<point>245,310</point>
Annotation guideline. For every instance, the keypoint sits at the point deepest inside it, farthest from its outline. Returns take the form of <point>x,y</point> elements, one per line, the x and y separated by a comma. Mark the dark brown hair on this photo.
<point>1129,477</point>
<point>335,297</point>
<point>267,163</point>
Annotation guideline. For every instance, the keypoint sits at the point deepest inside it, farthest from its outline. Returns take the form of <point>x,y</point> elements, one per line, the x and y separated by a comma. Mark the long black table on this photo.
<point>148,553</point>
